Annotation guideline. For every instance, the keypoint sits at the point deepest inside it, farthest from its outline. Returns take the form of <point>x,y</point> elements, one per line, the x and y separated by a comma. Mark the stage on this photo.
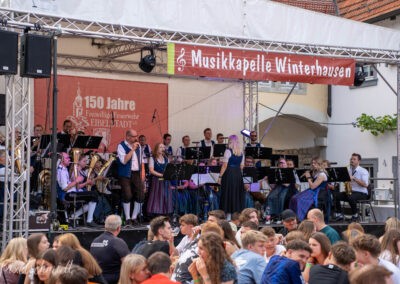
<point>133,235</point>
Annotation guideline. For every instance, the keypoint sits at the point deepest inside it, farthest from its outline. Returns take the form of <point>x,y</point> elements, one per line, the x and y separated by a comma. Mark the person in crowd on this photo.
<point>67,187</point>
<point>367,249</point>
<point>13,260</point>
<point>279,197</point>
<point>37,244</point>
<point>250,259</point>
<point>271,244</point>
<point>167,143</point>
<point>289,221</point>
<point>88,261</point>
<point>214,265</point>
<point>232,188</point>
<point>294,235</point>
<point>131,176</point>
<point>371,274</point>
<point>187,223</point>
<point>336,266</point>
<point>390,247</point>
<point>72,274</point>
<point>67,256</point>
<point>231,244</point>
<point>247,214</point>
<point>317,181</point>
<point>353,230</point>
<point>307,227</point>
<point>160,195</point>
<point>391,223</point>
<point>220,138</point>
<point>56,243</point>
<point>320,246</point>
<point>287,269</point>
<point>181,271</point>
<point>235,221</point>
<point>45,263</point>
<point>359,182</point>
<point>216,215</point>
<point>159,265</point>
<point>163,238</point>
<point>109,250</point>
<point>317,217</point>
<point>134,269</point>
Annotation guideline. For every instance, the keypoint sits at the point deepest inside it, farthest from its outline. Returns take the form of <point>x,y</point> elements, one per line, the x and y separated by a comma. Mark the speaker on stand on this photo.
<point>35,56</point>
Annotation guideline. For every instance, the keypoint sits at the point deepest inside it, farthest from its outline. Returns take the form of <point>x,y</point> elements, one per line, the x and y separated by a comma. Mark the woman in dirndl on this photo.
<point>231,178</point>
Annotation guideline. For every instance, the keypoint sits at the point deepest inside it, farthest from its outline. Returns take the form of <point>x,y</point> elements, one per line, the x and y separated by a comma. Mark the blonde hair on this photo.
<point>234,145</point>
<point>15,251</point>
<point>89,262</point>
<point>251,237</point>
<point>392,223</point>
<point>131,263</point>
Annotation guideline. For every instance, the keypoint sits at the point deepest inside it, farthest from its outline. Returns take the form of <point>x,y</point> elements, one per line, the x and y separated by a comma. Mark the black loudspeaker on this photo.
<point>2,109</point>
<point>8,52</point>
<point>35,56</point>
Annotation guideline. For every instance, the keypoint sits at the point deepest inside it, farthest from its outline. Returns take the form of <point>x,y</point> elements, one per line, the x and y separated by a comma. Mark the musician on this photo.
<point>68,128</point>
<point>131,176</point>
<point>37,132</point>
<point>160,195</point>
<point>207,142</point>
<point>167,143</point>
<point>232,190</point>
<point>66,185</point>
<point>220,138</point>
<point>181,152</point>
<point>280,195</point>
<point>146,152</point>
<point>359,182</point>
<point>254,140</point>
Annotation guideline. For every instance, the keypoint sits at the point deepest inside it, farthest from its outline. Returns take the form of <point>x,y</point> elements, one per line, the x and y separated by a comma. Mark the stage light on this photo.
<point>246,133</point>
<point>359,76</point>
<point>148,62</point>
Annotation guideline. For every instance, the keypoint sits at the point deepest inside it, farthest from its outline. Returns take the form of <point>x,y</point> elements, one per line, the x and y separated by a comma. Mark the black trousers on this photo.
<point>351,199</point>
<point>132,189</point>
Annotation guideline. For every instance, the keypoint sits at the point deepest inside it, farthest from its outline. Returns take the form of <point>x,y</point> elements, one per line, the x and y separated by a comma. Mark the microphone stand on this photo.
<point>198,177</point>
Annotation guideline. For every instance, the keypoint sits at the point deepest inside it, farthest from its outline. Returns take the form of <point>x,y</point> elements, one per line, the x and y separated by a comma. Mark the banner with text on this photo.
<point>107,108</point>
<point>215,62</point>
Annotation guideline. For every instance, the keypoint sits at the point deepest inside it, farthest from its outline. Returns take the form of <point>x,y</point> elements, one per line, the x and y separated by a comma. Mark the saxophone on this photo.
<point>347,186</point>
<point>102,184</point>
<point>44,185</point>
<point>95,158</point>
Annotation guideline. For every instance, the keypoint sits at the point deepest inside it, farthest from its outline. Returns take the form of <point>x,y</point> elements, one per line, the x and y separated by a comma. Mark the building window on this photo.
<point>370,80</point>
<point>282,87</point>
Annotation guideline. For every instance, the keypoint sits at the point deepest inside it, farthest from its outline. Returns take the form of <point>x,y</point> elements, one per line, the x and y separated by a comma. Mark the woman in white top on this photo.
<point>390,247</point>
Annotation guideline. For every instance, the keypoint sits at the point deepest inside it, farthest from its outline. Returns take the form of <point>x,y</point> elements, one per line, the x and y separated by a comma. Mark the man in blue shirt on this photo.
<point>250,260</point>
<point>287,269</point>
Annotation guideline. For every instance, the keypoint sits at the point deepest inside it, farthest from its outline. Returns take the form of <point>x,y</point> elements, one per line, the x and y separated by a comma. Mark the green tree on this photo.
<point>376,125</point>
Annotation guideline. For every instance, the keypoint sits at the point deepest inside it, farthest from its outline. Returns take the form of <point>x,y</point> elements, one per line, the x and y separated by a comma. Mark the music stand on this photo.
<point>219,150</point>
<point>64,139</point>
<point>197,153</point>
<point>208,169</point>
<point>250,174</point>
<point>285,175</point>
<point>259,153</point>
<point>45,144</point>
<point>300,174</point>
<point>178,172</point>
<point>338,174</point>
<point>87,142</point>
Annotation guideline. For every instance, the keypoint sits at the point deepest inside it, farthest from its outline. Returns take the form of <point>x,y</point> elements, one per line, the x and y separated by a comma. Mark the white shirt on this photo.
<point>386,255</point>
<point>122,154</point>
<point>278,250</point>
<point>391,267</point>
<point>63,178</point>
<point>361,174</point>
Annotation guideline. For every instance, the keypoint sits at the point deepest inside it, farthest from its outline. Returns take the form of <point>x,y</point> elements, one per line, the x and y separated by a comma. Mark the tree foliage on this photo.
<point>377,125</point>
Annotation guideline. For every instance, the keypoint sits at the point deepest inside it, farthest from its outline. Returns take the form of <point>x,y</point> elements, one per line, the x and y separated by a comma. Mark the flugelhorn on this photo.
<point>95,158</point>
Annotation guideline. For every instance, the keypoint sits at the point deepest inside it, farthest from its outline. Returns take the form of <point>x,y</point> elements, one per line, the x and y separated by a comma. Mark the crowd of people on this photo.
<point>216,251</point>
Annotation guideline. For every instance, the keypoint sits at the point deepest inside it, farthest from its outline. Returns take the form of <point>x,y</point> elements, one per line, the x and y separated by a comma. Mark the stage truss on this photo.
<point>125,40</point>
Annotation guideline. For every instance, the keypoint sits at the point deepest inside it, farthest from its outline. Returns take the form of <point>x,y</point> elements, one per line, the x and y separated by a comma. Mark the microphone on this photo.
<point>154,115</point>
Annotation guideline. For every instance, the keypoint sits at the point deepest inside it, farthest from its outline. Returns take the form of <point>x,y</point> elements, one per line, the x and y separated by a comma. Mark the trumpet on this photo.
<point>95,158</point>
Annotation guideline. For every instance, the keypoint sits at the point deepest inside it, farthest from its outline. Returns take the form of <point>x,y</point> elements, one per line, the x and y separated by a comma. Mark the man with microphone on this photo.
<point>130,161</point>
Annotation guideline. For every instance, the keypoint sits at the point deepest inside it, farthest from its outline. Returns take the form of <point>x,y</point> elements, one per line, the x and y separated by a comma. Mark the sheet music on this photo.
<point>205,178</point>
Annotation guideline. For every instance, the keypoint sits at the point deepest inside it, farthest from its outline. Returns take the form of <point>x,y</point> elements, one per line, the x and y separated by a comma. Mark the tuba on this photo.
<point>76,153</point>
<point>44,185</point>
<point>95,158</point>
<point>102,185</point>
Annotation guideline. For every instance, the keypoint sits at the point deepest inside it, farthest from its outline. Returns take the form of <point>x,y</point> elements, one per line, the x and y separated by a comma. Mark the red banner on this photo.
<point>105,107</point>
<point>258,66</point>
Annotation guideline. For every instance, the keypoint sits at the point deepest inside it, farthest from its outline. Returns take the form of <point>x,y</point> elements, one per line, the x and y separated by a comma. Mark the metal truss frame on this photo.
<point>250,105</point>
<point>16,186</point>
<point>93,29</point>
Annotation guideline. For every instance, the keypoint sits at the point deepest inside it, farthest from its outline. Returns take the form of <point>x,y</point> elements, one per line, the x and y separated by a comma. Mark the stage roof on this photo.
<point>250,19</point>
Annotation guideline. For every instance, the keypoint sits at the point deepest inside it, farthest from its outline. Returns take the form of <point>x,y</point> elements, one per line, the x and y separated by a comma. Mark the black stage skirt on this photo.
<point>232,190</point>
